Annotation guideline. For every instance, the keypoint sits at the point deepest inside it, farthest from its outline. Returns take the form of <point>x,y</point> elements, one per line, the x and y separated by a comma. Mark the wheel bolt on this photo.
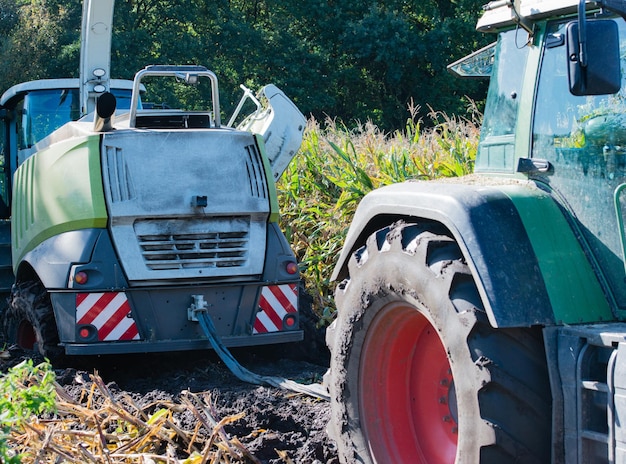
<point>442,400</point>
<point>446,418</point>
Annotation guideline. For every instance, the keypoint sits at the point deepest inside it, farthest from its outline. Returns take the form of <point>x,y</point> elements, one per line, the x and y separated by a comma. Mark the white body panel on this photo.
<point>281,125</point>
<point>95,50</point>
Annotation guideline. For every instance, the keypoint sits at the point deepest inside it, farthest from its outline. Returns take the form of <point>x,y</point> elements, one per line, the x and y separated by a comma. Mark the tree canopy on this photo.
<point>347,59</point>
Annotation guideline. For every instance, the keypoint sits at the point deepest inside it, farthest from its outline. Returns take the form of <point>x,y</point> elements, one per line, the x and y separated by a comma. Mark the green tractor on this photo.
<point>481,319</point>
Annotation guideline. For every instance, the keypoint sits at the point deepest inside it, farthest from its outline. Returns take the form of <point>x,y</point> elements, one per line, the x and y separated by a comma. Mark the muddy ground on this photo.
<point>278,426</point>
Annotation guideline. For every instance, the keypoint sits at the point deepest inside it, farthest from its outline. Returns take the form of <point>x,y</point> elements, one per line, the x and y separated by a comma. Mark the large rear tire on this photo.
<point>418,375</point>
<point>29,320</point>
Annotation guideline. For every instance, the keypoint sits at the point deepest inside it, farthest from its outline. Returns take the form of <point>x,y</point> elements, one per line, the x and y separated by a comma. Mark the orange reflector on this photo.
<point>291,267</point>
<point>81,278</point>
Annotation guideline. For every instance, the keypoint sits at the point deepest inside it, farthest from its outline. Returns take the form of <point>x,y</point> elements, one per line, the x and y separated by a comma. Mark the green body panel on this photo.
<point>57,190</point>
<point>573,287</point>
<point>271,185</point>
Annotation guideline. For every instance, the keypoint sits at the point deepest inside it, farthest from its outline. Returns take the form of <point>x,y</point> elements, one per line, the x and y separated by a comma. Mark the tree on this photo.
<point>349,59</point>
<point>40,40</point>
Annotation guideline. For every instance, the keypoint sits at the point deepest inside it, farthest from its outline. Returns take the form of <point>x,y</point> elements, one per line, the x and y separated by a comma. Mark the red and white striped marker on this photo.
<point>109,313</point>
<point>275,302</point>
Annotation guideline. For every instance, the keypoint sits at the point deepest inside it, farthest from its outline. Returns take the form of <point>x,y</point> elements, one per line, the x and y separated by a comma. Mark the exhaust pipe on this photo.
<point>105,109</point>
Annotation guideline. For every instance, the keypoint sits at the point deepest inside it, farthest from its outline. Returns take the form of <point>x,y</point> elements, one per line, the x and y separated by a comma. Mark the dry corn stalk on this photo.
<point>100,428</point>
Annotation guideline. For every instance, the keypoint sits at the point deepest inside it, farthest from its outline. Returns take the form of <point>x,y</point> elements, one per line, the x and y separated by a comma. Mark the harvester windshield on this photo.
<point>41,112</point>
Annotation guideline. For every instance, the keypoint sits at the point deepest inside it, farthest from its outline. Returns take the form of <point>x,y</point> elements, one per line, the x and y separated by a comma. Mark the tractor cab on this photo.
<point>524,323</point>
<point>556,115</point>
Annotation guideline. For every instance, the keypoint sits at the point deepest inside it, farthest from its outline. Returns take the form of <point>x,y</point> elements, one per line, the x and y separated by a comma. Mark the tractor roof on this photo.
<point>501,14</point>
<point>52,84</point>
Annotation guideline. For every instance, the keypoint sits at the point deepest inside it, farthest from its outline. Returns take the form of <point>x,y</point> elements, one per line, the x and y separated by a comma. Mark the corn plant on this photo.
<point>26,390</point>
<point>337,167</point>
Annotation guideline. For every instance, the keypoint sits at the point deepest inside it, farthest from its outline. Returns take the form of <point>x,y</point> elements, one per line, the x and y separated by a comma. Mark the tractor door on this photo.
<point>582,140</point>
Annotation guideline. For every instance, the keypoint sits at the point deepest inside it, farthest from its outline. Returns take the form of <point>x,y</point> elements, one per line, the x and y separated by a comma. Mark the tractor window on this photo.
<point>584,139</point>
<point>581,130</point>
<point>505,85</point>
<point>566,125</point>
<point>497,138</point>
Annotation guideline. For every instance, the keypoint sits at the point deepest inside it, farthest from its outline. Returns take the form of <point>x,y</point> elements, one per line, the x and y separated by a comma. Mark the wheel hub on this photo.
<point>407,398</point>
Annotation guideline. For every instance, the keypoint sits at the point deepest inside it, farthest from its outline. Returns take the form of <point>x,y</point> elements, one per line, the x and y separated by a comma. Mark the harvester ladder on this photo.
<point>6,270</point>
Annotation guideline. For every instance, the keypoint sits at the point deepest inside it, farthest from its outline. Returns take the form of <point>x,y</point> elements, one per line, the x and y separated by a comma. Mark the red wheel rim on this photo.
<point>406,398</point>
<point>25,337</point>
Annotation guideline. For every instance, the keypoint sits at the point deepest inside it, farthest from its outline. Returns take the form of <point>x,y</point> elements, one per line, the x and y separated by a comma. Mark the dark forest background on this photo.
<point>346,59</point>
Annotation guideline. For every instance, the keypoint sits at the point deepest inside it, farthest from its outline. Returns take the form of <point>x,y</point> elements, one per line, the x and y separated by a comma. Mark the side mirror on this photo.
<point>593,57</point>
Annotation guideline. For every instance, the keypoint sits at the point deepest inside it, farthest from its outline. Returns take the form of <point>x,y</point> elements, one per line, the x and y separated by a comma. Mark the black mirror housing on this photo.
<point>602,74</point>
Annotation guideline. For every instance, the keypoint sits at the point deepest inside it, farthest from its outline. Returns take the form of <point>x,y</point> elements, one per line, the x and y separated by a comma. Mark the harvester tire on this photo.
<point>29,321</point>
<point>418,374</point>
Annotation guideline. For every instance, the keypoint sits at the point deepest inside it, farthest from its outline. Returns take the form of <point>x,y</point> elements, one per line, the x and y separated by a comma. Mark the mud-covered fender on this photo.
<point>52,260</point>
<point>278,254</point>
<point>529,267</point>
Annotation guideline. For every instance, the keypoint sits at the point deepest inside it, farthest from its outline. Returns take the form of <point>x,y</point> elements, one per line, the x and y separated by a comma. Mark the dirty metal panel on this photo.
<point>186,204</point>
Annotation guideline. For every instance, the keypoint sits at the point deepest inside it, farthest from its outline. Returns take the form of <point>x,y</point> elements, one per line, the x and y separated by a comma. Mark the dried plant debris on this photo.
<point>101,427</point>
<point>159,408</point>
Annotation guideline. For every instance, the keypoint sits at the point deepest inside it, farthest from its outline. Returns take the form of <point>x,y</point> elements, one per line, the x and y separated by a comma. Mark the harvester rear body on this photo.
<point>127,221</point>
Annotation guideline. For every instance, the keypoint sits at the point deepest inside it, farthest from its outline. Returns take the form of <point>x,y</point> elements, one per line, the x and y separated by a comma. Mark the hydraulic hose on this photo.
<point>315,390</point>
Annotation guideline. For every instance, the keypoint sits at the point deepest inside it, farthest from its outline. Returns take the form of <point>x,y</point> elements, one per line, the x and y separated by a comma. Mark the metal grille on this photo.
<point>255,172</point>
<point>120,183</point>
<point>194,244</point>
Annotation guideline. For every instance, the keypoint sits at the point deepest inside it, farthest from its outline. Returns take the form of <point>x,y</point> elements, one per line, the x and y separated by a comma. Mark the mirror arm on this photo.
<point>582,34</point>
<point>616,6</point>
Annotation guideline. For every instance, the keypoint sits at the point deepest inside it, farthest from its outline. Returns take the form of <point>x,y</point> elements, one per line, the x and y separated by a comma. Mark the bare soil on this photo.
<point>278,426</point>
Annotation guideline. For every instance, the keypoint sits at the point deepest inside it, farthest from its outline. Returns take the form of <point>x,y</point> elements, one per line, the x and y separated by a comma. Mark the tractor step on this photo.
<point>590,360</point>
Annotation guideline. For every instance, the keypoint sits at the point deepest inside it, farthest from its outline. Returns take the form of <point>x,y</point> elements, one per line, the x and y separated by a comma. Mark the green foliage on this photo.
<point>25,390</point>
<point>337,166</point>
<point>354,60</point>
<point>40,40</point>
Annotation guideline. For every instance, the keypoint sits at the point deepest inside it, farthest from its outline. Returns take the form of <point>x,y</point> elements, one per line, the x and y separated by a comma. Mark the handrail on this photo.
<point>189,73</point>
<point>247,94</point>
